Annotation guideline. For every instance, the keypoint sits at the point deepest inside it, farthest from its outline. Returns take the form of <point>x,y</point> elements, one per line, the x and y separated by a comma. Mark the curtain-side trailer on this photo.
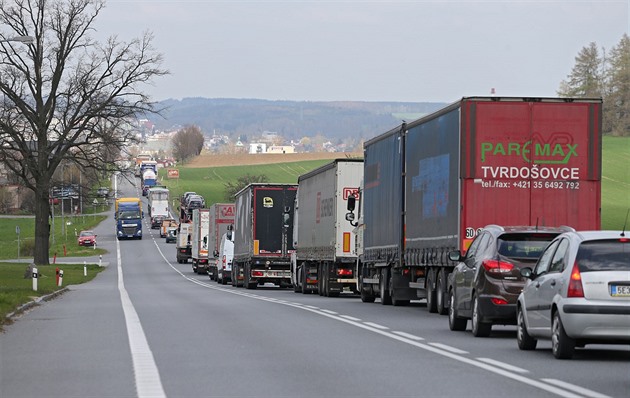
<point>432,184</point>
<point>200,231</point>
<point>263,231</point>
<point>325,253</point>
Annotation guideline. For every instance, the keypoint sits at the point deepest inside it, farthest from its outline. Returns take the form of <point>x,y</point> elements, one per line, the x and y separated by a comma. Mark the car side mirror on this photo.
<point>216,253</point>
<point>527,272</point>
<point>455,255</point>
<point>351,203</point>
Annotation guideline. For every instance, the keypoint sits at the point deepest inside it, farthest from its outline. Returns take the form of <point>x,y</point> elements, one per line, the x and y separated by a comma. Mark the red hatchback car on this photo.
<point>86,238</point>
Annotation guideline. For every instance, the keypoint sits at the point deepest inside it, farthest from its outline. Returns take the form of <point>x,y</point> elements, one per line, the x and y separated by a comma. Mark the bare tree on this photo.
<point>187,142</point>
<point>65,97</point>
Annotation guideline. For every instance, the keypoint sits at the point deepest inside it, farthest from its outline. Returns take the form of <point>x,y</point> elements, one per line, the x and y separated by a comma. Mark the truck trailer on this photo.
<point>183,245</point>
<point>325,253</point>
<point>432,184</point>
<point>199,234</point>
<point>221,217</point>
<point>263,231</point>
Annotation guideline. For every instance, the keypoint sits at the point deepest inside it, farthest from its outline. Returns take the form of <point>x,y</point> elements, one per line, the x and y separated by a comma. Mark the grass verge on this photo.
<point>15,290</point>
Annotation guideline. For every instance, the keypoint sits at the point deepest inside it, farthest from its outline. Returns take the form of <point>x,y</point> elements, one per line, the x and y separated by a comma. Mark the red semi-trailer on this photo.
<point>432,184</point>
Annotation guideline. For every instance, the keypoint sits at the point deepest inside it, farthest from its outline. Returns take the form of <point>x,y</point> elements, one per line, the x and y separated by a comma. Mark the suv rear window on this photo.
<point>604,255</point>
<point>524,245</point>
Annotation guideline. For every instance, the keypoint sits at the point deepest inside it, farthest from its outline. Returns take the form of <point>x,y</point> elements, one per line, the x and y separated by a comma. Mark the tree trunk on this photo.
<point>42,225</point>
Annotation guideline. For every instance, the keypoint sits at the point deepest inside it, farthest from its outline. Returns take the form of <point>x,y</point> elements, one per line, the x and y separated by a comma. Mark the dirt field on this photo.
<point>212,160</point>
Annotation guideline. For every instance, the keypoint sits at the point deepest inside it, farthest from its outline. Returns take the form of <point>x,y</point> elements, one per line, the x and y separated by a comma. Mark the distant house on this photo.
<point>281,149</point>
<point>257,147</point>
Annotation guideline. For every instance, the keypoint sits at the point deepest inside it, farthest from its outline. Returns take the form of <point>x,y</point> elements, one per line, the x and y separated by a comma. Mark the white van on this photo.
<point>224,261</point>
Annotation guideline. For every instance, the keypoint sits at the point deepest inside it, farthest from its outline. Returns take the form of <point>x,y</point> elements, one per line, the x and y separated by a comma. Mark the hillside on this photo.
<point>291,119</point>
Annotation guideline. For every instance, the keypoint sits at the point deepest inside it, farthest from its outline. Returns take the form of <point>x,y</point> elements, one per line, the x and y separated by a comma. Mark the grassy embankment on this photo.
<point>615,182</point>
<point>210,182</point>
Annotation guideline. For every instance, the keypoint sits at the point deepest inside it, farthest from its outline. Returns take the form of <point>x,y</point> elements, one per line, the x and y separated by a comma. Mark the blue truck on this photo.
<point>128,215</point>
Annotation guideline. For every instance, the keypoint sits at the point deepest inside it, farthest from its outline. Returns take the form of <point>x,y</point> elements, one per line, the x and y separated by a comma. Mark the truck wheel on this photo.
<point>431,304</point>
<point>395,302</point>
<point>454,321</point>
<point>479,328</point>
<point>303,278</point>
<point>320,280</point>
<point>386,299</point>
<point>440,294</point>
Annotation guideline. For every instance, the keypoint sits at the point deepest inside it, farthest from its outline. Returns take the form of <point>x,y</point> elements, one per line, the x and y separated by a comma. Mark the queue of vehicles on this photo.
<point>455,208</point>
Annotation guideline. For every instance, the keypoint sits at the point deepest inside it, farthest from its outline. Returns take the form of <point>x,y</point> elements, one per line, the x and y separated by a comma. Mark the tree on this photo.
<point>232,188</point>
<point>187,142</point>
<point>65,98</point>
<point>618,98</point>
<point>586,78</point>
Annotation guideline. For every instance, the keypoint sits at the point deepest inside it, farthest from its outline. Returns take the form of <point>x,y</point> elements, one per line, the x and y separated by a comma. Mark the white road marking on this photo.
<point>503,365</point>
<point>449,348</point>
<point>351,318</point>
<point>376,325</point>
<point>436,348</point>
<point>580,390</point>
<point>409,336</point>
<point>330,312</point>
<point>147,376</point>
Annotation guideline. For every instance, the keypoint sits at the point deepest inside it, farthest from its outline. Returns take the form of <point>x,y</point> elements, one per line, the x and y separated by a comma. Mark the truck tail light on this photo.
<point>575,283</point>
<point>344,272</point>
<point>257,273</point>
<point>497,267</point>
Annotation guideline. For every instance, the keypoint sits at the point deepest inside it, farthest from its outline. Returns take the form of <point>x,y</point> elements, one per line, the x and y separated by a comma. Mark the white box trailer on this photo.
<point>221,216</point>
<point>324,241</point>
<point>199,239</point>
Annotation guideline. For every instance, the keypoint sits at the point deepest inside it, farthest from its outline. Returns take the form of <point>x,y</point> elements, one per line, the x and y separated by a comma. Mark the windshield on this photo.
<point>129,214</point>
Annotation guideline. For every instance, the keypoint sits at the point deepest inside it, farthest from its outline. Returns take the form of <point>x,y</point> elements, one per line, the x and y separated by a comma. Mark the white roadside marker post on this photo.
<point>84,268</point>
<point>60,278</point>
<point>35,279</point>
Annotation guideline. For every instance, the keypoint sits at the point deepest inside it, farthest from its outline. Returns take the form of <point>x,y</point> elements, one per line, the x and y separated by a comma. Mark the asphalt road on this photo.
<point>147,326</point>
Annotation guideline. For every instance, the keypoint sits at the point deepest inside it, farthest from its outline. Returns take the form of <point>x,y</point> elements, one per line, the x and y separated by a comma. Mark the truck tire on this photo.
<point>440,294</point>
<point>247,282</point>
<point>303,278</point>
<point>479,328</point>
<point>395,301</point>
<point>386,299</point>
<point>455,323</point>
<point>431,303</point>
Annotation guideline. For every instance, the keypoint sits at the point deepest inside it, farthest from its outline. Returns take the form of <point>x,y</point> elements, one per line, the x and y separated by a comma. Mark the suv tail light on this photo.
<point>497,267</point>
<point>575,283</point>
<point>344,272</point>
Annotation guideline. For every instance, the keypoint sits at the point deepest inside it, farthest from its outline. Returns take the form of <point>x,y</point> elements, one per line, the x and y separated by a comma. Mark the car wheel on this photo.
<point>524,340</point>
<point>455,323</point>
<point>440,294</point>
<point>431,304</point>
<point>479,328</point>
<point>561,344</point>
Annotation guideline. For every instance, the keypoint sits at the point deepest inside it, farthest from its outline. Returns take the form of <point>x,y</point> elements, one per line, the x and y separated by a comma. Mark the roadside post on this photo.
<point>60,282</point>
<point>34,279</point>
<point>100,260</point>
<point>84,268</point>
<point>17,231</point>
<point>57,275</point>
<point>95,203</point>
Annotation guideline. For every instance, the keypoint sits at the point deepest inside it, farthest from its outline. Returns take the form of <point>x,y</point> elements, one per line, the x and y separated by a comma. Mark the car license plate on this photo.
<point>620,290</point>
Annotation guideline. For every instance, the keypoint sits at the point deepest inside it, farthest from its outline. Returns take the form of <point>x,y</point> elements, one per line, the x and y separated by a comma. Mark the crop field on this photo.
<point>209,181</point>
<point>615,182</point>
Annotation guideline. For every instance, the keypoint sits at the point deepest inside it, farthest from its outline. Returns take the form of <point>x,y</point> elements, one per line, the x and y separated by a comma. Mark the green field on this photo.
<point>210,182</point>
<point>615,182</point>
<point>63,239</point>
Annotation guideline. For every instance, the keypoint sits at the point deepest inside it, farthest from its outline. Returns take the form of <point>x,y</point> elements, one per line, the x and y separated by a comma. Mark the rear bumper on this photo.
<point>497,313</point>
<point>608,323</point>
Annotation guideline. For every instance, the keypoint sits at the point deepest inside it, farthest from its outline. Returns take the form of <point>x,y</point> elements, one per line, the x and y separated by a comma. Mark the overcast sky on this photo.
<point>414,50</point>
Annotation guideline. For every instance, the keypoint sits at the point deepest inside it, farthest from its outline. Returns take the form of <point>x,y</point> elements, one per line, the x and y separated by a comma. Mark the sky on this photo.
<point>402,51</point>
